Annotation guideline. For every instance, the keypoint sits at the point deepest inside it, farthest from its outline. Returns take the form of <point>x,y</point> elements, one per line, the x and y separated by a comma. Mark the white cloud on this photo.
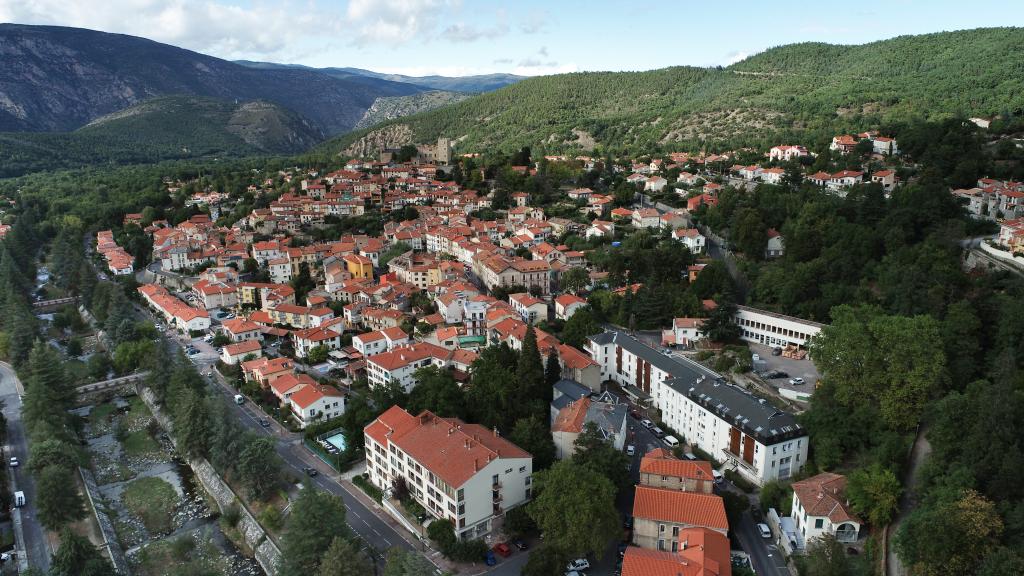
<point>258,31</point>
<point>393,21</point>
<point>460,32</point>
<point>736,56</point>
<point>531,67</point>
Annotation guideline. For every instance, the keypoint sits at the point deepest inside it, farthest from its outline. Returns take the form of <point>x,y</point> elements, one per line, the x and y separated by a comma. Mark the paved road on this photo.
<point>766,557</point>
<point>36,545</point>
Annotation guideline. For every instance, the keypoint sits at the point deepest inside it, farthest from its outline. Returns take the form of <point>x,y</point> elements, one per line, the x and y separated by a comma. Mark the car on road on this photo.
<point>5,556</point>
<point>667,352</point>
<point>14,462</point>
<point>764,530</point>
<point>689,456</point>
<point>634,414</point>
<point>776,351</point>
<point>521,544</point>
<point>627,522</point>
<point>578,564</point>
<point>718,476</point>
<point>671,441</point>
<point>647,423</point>
<point>756,513</point>
<point>503,550</point>
<point>310,471</point>
<point>630,450</point>
<point>796,381</point>
<point>658,432</point>
<point>264,422</point>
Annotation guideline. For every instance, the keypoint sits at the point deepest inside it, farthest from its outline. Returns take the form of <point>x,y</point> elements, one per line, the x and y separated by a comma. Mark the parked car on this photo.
<point>796,381</point>
<point>764,530</point>
<point>719,477</point>
<point>627,522</point>
<point>756,513</point>
<point>14,462</point>
<point>658,432</point>
<point>671,441</point>
<point>264,422</point>
<point>777,351</point>
<point>503,550</point>
<point>630,450</point>
<point>647,423</point>
<point>578,564</point>
<point>689,456</point>
<point>634,414</point>
<point>521,544</point>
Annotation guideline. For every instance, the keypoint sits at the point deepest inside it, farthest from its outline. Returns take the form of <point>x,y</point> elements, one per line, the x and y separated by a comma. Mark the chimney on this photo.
<point>682,545</point>
<point>496,432</point>
<point>476,465</point>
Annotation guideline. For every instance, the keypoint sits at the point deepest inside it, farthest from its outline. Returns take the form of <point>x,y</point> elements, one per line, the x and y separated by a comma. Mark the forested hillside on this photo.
<point>173,127</point>
<point>811,90</point>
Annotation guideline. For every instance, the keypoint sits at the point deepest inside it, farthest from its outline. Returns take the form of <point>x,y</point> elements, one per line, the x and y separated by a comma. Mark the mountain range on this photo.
<point>71,97</point>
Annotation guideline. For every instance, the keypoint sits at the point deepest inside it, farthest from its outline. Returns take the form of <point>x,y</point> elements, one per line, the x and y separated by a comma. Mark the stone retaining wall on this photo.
<point>265,550</point>
<point>106,526</point>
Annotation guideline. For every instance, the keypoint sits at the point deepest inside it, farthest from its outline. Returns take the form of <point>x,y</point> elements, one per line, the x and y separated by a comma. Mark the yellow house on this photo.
<point>359,266</point>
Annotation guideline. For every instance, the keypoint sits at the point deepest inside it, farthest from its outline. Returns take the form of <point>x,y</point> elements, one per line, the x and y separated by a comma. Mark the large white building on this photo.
<point>461,472</point>
<point>759,441</point>
<point>820,508</point>
<point>772,329</point>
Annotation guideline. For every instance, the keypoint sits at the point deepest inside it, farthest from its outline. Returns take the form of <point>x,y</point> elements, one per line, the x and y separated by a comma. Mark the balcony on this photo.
<point>496,485</point>
<point>495,496</point>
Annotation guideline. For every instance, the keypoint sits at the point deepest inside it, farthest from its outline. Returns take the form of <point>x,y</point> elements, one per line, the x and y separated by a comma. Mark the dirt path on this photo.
<point>918,454</point>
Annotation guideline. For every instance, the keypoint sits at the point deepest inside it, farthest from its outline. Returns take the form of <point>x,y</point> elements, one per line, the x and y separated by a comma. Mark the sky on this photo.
<point>527,37</point>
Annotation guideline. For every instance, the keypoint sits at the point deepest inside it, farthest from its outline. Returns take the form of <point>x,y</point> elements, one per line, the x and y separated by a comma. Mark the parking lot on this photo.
<point>794,368</point>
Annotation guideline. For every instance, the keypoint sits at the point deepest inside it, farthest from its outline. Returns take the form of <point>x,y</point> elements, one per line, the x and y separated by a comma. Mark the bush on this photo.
<point>366,486</point>
<point>704,355</point>
<point>232,514</point>
<point>774,494</point>
<point>740,482</point>
<point>724,362</point>
<point>271,518</point>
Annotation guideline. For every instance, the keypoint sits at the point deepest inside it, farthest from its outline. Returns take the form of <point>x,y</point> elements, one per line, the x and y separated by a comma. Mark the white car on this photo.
<point>647,423</point>
<point>578,564</point>
<point>796,381</point>
<point>718,476</point>
<point>630,450</point>
<point>14,462</point>
<point>765,531</point>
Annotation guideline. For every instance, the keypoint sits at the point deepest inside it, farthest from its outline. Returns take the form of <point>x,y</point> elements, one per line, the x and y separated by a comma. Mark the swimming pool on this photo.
<point>338,441</point>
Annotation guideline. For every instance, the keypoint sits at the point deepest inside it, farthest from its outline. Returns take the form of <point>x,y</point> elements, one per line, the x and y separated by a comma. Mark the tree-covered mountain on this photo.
<point>803,90</point>
<point>468,84</point>
<point>164,128</point>
<point>59,79</point>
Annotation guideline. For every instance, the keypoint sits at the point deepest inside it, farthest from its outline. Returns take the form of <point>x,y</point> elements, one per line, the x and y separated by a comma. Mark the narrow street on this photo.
<point>37,551</point>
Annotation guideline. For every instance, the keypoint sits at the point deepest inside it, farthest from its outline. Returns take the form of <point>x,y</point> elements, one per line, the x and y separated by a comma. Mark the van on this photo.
<point>19,499</point>
<point>239,399</point>
<point>671,441</point>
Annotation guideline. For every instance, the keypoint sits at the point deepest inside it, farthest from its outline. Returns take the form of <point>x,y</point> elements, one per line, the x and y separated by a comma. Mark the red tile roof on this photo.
<point>663,463</point>
<point>701,553</point>
<point>689,508</point>
<point>825,495</point>
<point>571,418</point>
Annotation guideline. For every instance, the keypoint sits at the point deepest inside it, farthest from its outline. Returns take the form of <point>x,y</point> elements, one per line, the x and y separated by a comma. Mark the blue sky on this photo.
<point>460,37</point>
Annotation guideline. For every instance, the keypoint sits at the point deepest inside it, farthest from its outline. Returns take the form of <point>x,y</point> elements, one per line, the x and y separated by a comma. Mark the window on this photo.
<point>675,533</point>
<point>661,528</point>
<point>661,545</point>
<point>819,523</point>
<point>522,469</point>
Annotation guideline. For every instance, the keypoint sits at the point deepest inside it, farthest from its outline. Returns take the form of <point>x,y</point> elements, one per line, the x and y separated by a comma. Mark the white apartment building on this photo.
<point>528,307</point>
<point>401,364</point>
<point>752,436</point>
<point>379,341</point>
<point>772,329</point>
<point>456,471</point>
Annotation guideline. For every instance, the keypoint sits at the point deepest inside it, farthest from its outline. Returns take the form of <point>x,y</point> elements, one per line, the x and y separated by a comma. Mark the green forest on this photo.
<point>807,90</point>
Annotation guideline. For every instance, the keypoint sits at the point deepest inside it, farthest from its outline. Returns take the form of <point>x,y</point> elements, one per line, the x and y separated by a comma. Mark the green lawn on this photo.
<point>139,443</point>
<point>153,500</point>
<point>100,413</point>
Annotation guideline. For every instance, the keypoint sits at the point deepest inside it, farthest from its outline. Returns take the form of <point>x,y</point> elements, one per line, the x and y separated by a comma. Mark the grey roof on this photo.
<point>571,388</point>
<point>608,417</point>
<point>753,415</point>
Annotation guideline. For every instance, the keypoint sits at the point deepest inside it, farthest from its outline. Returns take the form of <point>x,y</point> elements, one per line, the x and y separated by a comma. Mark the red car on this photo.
<point>503,550</point>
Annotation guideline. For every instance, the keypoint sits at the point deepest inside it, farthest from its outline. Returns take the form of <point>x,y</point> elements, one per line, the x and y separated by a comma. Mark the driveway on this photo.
<point>36,546</point>
<point>795,368</point>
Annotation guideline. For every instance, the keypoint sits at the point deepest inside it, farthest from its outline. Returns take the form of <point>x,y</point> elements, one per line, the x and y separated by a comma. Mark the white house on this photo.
<point>234,353</point>
<point>530,308</point>
<point>787,153</point>
<point>567,304</point>
<point>307,339</point>
<point>773,329</point>
<point>315,403</point>
<point>884,145</point>
<point>691,238</point>
<point>773,175</point>
<point>240,329</point>
<point>820,507</point>
<point>461,472</point>
<point>776,246</point>
<point>750,435</point>
<point>379,341</point>
<point>684,332</point>
<point>646,218</point>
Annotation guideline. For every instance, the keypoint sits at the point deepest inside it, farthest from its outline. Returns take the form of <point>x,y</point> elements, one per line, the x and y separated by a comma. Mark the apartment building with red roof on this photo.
<point>659,468</point>
<point>659,514</point>
<point>694,552</point>
<point>457,471</point>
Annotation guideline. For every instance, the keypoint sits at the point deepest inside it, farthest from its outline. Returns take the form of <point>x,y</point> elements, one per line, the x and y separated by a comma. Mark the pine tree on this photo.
<point>78,557</point>
<point>552,370</point>
<point>193,427</point>
<point>344,558</point>
<point>530,369</point>
<point>57,498</point>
